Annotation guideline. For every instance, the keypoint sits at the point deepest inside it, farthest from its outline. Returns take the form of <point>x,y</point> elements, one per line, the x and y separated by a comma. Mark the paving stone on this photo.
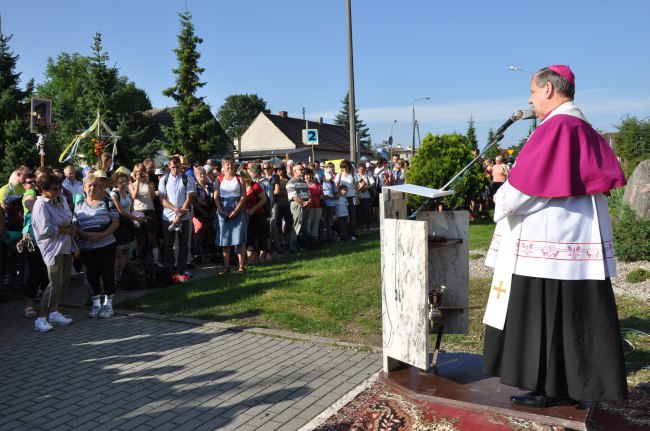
<point>130,373</point>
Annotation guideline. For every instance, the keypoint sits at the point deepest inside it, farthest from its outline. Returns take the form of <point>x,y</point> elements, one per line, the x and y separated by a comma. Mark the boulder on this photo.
<point>637,192</point>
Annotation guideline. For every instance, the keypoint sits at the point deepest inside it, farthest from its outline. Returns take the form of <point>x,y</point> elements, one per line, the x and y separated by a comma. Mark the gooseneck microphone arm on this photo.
<point>517,115</point>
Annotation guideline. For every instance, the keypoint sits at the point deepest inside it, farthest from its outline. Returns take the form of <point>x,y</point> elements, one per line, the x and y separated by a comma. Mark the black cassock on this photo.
<point>561,337</point>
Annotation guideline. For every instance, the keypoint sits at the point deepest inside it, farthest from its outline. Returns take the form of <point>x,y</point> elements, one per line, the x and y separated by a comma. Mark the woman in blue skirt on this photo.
<point>229,194</point>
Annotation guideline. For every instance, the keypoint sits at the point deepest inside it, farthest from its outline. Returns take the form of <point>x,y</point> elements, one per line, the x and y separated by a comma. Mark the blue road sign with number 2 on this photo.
<point>312,136</point>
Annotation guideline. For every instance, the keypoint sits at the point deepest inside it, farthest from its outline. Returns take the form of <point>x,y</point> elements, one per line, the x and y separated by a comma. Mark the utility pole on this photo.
<point>354,150</point>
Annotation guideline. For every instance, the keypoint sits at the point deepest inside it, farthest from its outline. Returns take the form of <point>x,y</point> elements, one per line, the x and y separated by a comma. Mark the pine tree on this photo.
<point>494,150</point>
<point>16,143</point>
<point>471,133</point>
<point>196,132</point>
<point>102,83</point>
<point>343,119</point>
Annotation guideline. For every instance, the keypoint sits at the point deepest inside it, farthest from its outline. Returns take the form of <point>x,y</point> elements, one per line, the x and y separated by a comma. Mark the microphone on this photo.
<point>517,115</point>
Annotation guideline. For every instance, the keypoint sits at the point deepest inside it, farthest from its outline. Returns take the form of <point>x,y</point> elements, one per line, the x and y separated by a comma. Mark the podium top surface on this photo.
<point>419,190</point>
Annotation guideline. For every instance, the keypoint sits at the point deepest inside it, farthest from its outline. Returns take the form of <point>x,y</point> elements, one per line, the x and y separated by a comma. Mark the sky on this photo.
<point>294,55</point>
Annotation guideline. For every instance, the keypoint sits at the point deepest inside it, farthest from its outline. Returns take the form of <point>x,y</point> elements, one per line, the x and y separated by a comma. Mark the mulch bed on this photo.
<point>380,408</point>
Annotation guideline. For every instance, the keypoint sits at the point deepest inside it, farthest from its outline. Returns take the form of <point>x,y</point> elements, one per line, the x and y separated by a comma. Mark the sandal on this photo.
<point>241,269</point>
<point>225,270</point>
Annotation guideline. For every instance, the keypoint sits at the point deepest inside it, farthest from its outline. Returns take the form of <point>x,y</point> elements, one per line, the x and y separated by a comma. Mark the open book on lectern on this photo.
<point>419,190</point>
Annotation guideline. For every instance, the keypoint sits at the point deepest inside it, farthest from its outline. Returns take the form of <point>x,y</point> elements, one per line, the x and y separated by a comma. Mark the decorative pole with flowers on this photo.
<point>41,122</point>
<point>99,143</point>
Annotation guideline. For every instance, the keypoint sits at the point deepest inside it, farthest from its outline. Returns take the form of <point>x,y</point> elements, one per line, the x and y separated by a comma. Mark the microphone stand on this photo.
<point>495,141</point>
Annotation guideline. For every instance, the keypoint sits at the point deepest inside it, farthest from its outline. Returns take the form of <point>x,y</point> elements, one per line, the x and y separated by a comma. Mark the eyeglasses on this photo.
<point>29,182</point>
<point>143,174</point>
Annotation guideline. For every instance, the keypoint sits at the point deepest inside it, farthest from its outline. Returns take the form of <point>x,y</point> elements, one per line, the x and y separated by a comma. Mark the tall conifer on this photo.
<point>196,132</point>
<point>15,140</point>
<point>342,119</point>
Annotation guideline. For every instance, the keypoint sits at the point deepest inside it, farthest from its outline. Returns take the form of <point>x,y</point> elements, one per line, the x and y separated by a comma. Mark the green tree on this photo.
<point>632,143</point>
<point>343,119</point>
<point>196,132</point>
<point>16,144</point>
<point>471,133</point>
<point>494,150</point>
<point>102,82</point>
<point>239,111</point>
<point>79,86</point>
<point>437,161</point>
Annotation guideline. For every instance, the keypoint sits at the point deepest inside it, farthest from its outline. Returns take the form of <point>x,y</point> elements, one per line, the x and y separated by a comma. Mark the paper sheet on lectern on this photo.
<point>419,190</point>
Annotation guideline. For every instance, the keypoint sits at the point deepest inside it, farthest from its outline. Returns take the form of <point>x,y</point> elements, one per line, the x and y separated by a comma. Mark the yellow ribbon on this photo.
<point>97,125</point>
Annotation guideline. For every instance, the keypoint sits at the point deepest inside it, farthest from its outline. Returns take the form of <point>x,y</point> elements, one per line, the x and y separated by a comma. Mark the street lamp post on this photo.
<point>413,141</point>
<point>521,70</point>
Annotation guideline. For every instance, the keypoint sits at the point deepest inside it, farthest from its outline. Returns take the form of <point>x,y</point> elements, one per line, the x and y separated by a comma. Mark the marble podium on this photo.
<point>417,256</point>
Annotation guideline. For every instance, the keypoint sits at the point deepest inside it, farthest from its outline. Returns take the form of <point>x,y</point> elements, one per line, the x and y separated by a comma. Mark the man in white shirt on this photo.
<point>73,185</point>
<point>176,191</point>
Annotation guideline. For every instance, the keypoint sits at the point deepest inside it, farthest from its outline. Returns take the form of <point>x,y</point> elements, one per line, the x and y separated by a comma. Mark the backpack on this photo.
<point>166,178</point>
<point>308,242</point>
<point>220,178</point>
<point>264,185</point>
<point>14,213</point>
<point>133,275</point>
<point>164,277</point>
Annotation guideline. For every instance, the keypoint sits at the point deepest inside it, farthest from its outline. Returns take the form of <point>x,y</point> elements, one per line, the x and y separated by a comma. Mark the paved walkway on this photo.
<point>141,372</point>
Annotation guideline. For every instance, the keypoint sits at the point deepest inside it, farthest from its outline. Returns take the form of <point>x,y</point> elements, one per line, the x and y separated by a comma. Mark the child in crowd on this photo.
<point>342,214</point>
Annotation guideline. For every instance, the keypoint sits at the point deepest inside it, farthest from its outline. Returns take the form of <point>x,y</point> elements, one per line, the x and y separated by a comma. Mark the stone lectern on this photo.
<point>425,277</point>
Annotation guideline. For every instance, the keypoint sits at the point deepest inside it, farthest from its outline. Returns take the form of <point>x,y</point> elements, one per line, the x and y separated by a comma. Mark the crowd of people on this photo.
<point>495,172</point>
<point>174,217</point>
<point>179,215</point>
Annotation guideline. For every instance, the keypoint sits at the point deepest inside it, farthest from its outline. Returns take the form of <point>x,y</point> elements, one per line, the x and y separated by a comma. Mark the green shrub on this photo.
<point>638,275</point>
<point>631,236</point>
<point>615,202</point>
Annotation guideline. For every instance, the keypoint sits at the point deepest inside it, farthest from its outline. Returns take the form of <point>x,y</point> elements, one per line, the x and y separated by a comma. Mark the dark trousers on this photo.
<point>100,264</point>
<point>36,273</point>
<point>352,215</point>
<point>344,232</point>
<point>328,213</point>
<point>183,246</point>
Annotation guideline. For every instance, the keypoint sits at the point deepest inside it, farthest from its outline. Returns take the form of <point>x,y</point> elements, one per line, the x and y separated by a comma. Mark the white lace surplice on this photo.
<point>561,238</point>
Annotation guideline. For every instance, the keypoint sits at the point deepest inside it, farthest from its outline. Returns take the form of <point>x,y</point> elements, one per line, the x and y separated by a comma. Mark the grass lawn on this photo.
<point>335,292</point>
<point>480,234</point>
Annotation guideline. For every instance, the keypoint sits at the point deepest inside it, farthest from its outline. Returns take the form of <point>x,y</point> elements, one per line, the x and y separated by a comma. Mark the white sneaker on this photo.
<point>41,325</point>
<point>354,238</point>
<point>94,311</point>
<point>57,318</point>
<point>105,311</point>
<point>29,313</point>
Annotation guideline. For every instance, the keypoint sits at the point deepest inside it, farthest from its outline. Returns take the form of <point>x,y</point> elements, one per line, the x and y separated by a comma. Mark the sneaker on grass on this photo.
<point>57,318</point>
<point>41,325</point>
